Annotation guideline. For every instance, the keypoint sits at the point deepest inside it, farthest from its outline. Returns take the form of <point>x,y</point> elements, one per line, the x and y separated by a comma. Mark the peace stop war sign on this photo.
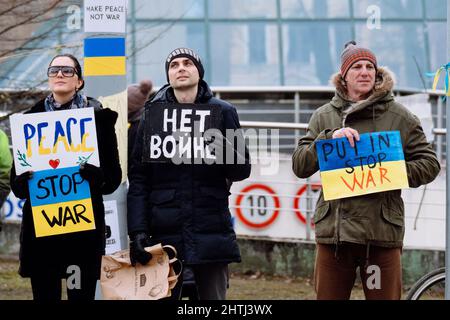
<point>53,145</point>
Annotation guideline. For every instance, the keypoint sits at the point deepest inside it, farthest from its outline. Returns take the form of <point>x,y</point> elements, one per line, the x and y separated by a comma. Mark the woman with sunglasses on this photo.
<point>48,260</point>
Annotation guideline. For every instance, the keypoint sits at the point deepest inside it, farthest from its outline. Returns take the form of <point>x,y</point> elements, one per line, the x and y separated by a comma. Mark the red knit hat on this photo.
<point>138,94</point>
<point>353,53</point>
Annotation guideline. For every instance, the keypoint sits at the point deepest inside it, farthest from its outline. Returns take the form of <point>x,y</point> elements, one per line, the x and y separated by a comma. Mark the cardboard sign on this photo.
<point>61,202</point>
<point>113,242</point>
<point>50,140</point>
<point>53,145</point>
<point>177,131</point>
<point>375,164</point>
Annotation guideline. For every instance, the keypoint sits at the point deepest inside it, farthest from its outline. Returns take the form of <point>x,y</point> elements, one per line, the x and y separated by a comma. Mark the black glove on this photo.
<point>137,249</point>
<point>21,182</point>
<point>93,174</point>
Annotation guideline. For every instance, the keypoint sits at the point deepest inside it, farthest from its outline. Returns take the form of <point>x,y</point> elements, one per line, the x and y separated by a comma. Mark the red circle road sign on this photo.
<point>298,213</point>
<point>262,223</point>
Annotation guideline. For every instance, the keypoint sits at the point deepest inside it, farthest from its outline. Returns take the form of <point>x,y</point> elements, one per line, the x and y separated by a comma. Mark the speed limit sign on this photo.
<point>314,187</point>
<point>257,206</point>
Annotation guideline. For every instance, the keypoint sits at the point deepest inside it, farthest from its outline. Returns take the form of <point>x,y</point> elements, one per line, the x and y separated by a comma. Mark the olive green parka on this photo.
<point>377,218</point>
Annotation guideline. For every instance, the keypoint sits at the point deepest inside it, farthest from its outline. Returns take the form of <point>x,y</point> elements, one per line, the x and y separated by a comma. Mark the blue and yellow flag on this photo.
<point>104,57</point>
<point>437,75</point>
<point>375,164</point>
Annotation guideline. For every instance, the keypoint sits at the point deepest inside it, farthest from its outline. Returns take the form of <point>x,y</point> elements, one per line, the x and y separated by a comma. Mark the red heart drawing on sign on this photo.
<point>54,163</point>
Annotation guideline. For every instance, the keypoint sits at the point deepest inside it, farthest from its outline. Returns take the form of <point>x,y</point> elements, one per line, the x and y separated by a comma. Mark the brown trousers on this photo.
<point>335,271</point>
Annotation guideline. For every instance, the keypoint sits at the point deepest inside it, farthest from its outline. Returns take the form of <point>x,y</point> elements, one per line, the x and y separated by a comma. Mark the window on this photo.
<point>229,9</point>
<point>169,9</point>
<point>312,51</point>
<point>436,39</point>
<point>436,9</point>
<point>397,51</point>
<point>400,9</point>
<point>155,42</point>
<point>315,8</point>
<point>242,57</point>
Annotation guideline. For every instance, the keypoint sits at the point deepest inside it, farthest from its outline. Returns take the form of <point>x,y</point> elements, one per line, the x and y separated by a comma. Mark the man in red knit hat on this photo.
<point>366,231</point>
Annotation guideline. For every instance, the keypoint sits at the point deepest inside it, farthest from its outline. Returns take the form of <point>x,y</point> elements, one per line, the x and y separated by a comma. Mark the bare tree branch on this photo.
<point>32,17</point>
<point>20,4</point>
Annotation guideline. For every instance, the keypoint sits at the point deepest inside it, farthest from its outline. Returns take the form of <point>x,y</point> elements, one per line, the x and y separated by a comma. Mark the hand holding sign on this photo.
<point>92,174</point>
<point>21,181</point>
<point>375,163</point>
<point>349,133</point>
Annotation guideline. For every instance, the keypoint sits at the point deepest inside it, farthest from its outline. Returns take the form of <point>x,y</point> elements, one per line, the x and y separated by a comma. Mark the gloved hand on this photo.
<point>137,249</point>
<point>21,182</point>
<point>92,174</point>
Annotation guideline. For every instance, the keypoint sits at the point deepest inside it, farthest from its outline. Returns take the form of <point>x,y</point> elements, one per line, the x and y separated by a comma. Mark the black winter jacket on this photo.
<point>186,205</point>
<point>55,253</point>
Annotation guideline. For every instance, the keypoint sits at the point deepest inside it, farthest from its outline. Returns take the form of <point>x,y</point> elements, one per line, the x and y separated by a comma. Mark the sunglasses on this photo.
<point>66,71</point>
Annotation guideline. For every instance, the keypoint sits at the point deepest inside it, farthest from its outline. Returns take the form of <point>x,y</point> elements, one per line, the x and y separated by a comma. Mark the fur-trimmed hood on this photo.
<point>384,84</point>
<point>382,92</point>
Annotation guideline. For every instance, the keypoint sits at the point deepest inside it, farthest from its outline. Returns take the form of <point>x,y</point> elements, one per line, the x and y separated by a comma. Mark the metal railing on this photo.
<point>310,195</point>
<point>302,126</point>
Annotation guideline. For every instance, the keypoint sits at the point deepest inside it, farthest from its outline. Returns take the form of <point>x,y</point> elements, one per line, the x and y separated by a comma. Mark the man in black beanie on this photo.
<point>186,205</point>
<point>186,53</point>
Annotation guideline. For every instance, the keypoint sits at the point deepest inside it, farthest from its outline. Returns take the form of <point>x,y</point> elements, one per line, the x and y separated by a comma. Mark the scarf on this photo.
<point>78,101</point>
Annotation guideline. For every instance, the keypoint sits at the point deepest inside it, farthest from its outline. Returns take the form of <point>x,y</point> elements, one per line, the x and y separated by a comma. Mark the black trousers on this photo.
<point>47,284</point>
<point>211,281</point>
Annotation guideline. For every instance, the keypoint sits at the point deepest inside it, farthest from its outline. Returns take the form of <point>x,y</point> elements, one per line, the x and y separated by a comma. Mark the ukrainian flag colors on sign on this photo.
<point>61,202</point>
<point>375,164</point>
<point>104,57</point>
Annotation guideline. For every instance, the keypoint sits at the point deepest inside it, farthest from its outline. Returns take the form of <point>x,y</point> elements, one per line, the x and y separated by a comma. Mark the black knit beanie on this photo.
<point>188,53</point>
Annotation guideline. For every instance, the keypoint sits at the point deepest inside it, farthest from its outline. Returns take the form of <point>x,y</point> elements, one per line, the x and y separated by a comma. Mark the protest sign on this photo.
<point>375,164</point>
<point>178,131</point>
<point>53,145</point>
<point>105,16</point>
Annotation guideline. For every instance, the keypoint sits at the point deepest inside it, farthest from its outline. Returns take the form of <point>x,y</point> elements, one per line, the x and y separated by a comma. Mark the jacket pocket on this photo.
<point>392,210</point>
<point>211,197</point>
<point>214,192</point>
<point>392,216</point>
<point>211,210</point>
<point>166,217</point>
<point>321,212</point>
<point>162,196</point>
<point>323,221</point>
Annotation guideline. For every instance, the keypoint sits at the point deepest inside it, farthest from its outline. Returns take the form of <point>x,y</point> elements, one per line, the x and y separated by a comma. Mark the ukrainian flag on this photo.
<point>376,164</point>
<point>104,57</point>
